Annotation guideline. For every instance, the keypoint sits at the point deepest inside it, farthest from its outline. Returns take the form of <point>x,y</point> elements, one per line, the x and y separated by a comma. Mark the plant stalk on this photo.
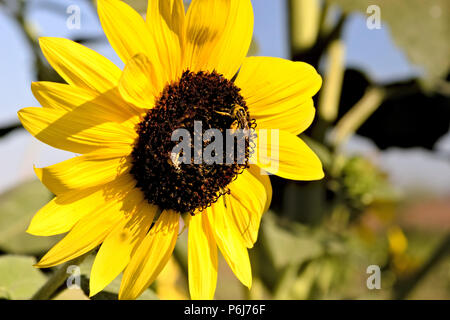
<point>50,288</point>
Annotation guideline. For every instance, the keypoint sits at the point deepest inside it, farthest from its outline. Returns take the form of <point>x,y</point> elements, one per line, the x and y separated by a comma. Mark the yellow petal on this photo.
<point>165,20</point>
<point>108,105</point>
<point>115,100</point>
<point>60,96</point>
<point>263,178</point>
<point>115,252</point>
<point>295,120</point>
<point>140,84</point>
<point>202,259</point>
<point>61,213</point>
<point>151,256</point>
<point>245,205</point>
<point>75,131</point>
<point>218,35</point>
<point>230,242</point>
<point>86,171</point>
<point>278,92</point>
<point>80,66</point>
<point>126,30</point>
<point>93,228</point>
<point>286,155</point>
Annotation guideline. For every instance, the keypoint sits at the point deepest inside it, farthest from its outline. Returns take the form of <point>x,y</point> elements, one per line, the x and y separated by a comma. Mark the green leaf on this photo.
<point>17,207</point>
<point>18,278</point>
<point>419,27</point>
<point>288,245</point>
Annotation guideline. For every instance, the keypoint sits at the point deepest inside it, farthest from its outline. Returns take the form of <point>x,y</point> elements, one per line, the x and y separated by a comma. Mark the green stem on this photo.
<point>331,90</point>
<point>49,289</point>
<point>358,114</point>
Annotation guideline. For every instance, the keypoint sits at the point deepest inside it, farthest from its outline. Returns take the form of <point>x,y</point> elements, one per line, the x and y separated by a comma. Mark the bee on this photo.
<point>239,114</point>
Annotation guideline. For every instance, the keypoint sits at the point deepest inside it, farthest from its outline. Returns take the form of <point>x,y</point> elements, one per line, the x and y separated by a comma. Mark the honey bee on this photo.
<point>238,112</point>
<point>240,115</point>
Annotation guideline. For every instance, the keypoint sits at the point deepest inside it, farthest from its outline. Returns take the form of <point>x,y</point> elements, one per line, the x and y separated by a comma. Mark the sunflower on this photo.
<point>123,191</point>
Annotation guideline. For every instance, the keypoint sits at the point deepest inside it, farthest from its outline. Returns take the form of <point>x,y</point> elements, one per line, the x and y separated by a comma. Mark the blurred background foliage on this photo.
<point>318,238</point>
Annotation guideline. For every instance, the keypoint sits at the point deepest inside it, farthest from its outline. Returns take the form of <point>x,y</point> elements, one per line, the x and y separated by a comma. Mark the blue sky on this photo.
<point>370,50</point>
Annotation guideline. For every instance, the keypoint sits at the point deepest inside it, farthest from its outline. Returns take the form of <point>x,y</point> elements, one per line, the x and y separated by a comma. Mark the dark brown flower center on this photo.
<point>192,177</point>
